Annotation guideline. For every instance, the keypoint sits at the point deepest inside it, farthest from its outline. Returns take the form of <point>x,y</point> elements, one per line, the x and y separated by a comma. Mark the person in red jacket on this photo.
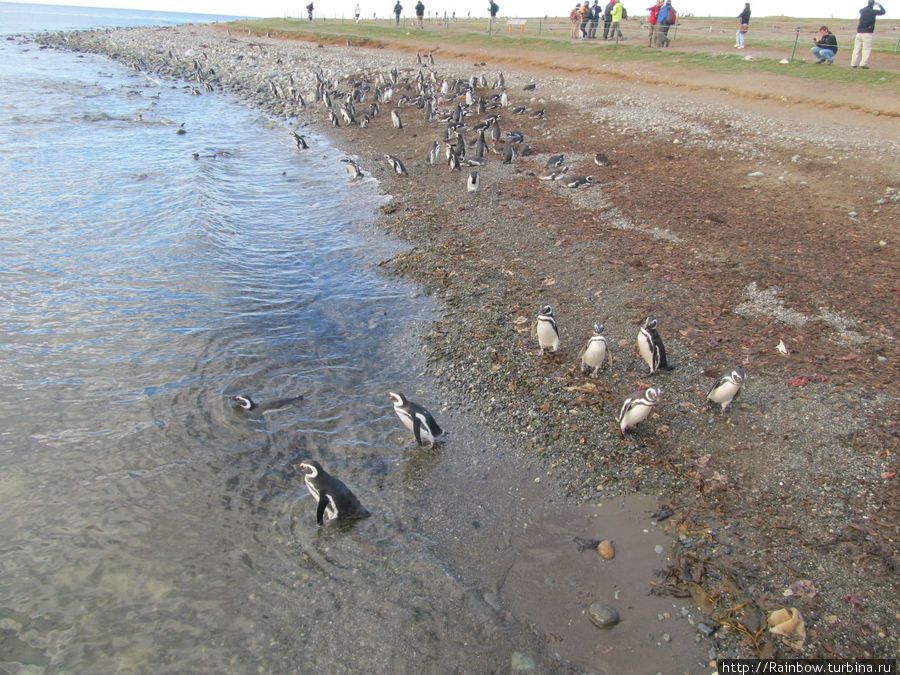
<point>654,13</point>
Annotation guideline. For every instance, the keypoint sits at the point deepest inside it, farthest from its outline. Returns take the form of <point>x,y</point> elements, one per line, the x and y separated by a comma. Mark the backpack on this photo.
<point>572,15</point>
<point>670,17</point>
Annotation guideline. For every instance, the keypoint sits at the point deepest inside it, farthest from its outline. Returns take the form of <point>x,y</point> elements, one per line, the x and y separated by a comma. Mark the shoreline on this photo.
<point>790,485</point>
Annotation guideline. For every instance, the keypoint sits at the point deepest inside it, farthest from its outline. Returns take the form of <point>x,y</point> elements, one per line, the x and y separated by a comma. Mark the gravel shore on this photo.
<point>737,227</point>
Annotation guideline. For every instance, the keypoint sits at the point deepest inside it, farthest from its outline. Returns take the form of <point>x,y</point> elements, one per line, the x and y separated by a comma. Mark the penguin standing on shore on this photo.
<point>300,141</point>
<point>636,408</point>
<point>596,352</point>
<point>395,119</point>
<point>546,330</point>
<point>396,165</point>
<point>417,419</point>
<point>334,500</point>
<point>726,389</point>
<point>650,346</point>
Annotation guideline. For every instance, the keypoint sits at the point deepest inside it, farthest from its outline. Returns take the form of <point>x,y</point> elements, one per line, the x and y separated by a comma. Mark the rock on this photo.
<point>606,550</point>
<point>706,629</point>
<point>603,616</point>
<point>519,661</point>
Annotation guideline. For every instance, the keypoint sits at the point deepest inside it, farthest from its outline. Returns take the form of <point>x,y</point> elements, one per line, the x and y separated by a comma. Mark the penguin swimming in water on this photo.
<point>334,500</point>
<point>595,352</point>
<point>636,408</point>
<point>726,389</point>
<point>650,346</point>
<point>248,404</point>
<point>396,165</point>
<point>300,141</point>
<point>546,330</point>
<point>417,419</point>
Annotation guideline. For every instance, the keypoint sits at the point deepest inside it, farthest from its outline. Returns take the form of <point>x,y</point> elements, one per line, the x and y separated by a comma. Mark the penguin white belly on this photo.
<point>645,348</point>
<point>634,415</point>
<point>594,355</point>
<point>547,335</point>
<point>724,393</point>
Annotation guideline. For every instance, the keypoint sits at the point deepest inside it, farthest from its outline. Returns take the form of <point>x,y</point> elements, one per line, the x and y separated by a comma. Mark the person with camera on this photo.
<point>825,47</point>
<point>865,34</point>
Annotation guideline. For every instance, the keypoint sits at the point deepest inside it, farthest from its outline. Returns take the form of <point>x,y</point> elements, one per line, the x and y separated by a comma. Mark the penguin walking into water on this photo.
<point>726,389</point>
<point>650,346</point>
<point>395,119</point>
<point>334,500</point>
<point>353,168</point>
<point>300,141</point>
<point>596,352</point>
<point>417,419</point>
<point>546,330</point>
<point>396,165</point>
<point>248,404</point>
<point>636,408</point>
<point>473,181</point>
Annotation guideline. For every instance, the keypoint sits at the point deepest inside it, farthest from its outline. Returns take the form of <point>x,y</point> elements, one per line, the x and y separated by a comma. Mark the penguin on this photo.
<point>348,116</point>
<point>473,181</point>
<point>417,420</point>
<point>453,161</point>
<point>333,118</point>
<point>601,160</point>
<point>651,347</point>
<point>556,161</point>
<point>300,141</point>
<point>553,174</point>
<point>248,404</point>
<point>529,87</point>
<point>395,119</point>
<point>726,389</point>
<point>434,153</point>
<point>504,100</point>
<point>396,165</point>
<point>353,168</point>
<point>546,330</point>
<point>509,153</point>
<point>636,408</point>
<point>334,499</point>
<point>595,352</point>
<point>575,181</point>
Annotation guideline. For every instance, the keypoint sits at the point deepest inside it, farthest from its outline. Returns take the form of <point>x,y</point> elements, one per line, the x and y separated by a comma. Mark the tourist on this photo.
<point>825,47</point>
<point>420,13</point>
<point>356,13</point>
<point>585,19</point>
<point>607,18</point>
<point>618,13</point>
<point>865,33</point>
<point>665,19</point>
<point>309,10</point>
<point>397,9</point>
<point>654,12</point>
<point>743,27</point>
<point>595,20</point>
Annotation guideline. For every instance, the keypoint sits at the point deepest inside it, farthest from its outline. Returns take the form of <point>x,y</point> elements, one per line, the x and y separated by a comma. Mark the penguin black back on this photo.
<point>334,500</point>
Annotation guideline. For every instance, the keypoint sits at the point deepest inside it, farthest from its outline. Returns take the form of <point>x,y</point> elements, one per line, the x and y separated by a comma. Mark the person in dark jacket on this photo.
<point>397,9</point>
<point>585,20</point>
<point>865,33</point>
<point>493,8</point>
<point>595,19</point>
<point>607,18</point>
<point>420,12</point>
<point>743,27</point>
<point>825,47</point>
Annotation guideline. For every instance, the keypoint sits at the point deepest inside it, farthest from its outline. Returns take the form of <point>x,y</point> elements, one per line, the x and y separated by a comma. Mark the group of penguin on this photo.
<point>334,500</point>
<point>426,94</point>
<point>637,406</point>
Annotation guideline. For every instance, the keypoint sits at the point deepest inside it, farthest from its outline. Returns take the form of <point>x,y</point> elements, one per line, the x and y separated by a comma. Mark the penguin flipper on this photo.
<point>320,510</point>
<point>417,429</point>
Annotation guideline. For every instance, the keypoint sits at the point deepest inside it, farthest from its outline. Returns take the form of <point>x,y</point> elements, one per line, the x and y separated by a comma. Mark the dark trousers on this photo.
<point>592,33</point>
<point>606,24</point>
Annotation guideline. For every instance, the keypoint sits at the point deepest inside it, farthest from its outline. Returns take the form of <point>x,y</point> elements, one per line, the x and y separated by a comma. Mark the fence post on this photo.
<point>796,40</point>
<point>897,46</point>
<point>539,33</point>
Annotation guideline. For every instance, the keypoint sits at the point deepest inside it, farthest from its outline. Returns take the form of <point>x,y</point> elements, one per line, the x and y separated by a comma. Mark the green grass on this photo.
<point>472,34</point>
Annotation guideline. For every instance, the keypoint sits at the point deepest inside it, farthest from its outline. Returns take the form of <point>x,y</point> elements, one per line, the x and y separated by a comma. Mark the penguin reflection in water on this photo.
<point>334,500</point>
<point>417,419</point>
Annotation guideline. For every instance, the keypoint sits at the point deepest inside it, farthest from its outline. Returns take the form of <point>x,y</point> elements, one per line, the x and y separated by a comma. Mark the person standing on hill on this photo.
<point>654,13</point>
<point>595,19</point>
<point>398,8</point>
<point>665,19</point>
<point>309,10</point>
<point>618,13</point>
<point>585,19</point>
<point>865,34</point>
<point>607,18</point>
<point>744,26</point>
<point>356,13</point>
<point>420,12</point>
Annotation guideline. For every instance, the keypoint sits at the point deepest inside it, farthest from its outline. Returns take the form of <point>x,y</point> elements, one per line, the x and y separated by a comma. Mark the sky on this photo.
<point>842,9</point>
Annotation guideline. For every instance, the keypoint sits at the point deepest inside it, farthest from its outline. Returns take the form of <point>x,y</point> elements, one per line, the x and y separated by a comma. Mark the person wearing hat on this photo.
<point>607,18</point>
<point>825,47</point>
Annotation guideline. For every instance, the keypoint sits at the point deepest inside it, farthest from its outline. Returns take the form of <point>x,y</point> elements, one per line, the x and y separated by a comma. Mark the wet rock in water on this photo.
<point>603,616</point>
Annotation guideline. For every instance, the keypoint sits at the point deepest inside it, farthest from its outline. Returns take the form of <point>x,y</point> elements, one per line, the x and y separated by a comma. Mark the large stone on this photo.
<point>603,616</point>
